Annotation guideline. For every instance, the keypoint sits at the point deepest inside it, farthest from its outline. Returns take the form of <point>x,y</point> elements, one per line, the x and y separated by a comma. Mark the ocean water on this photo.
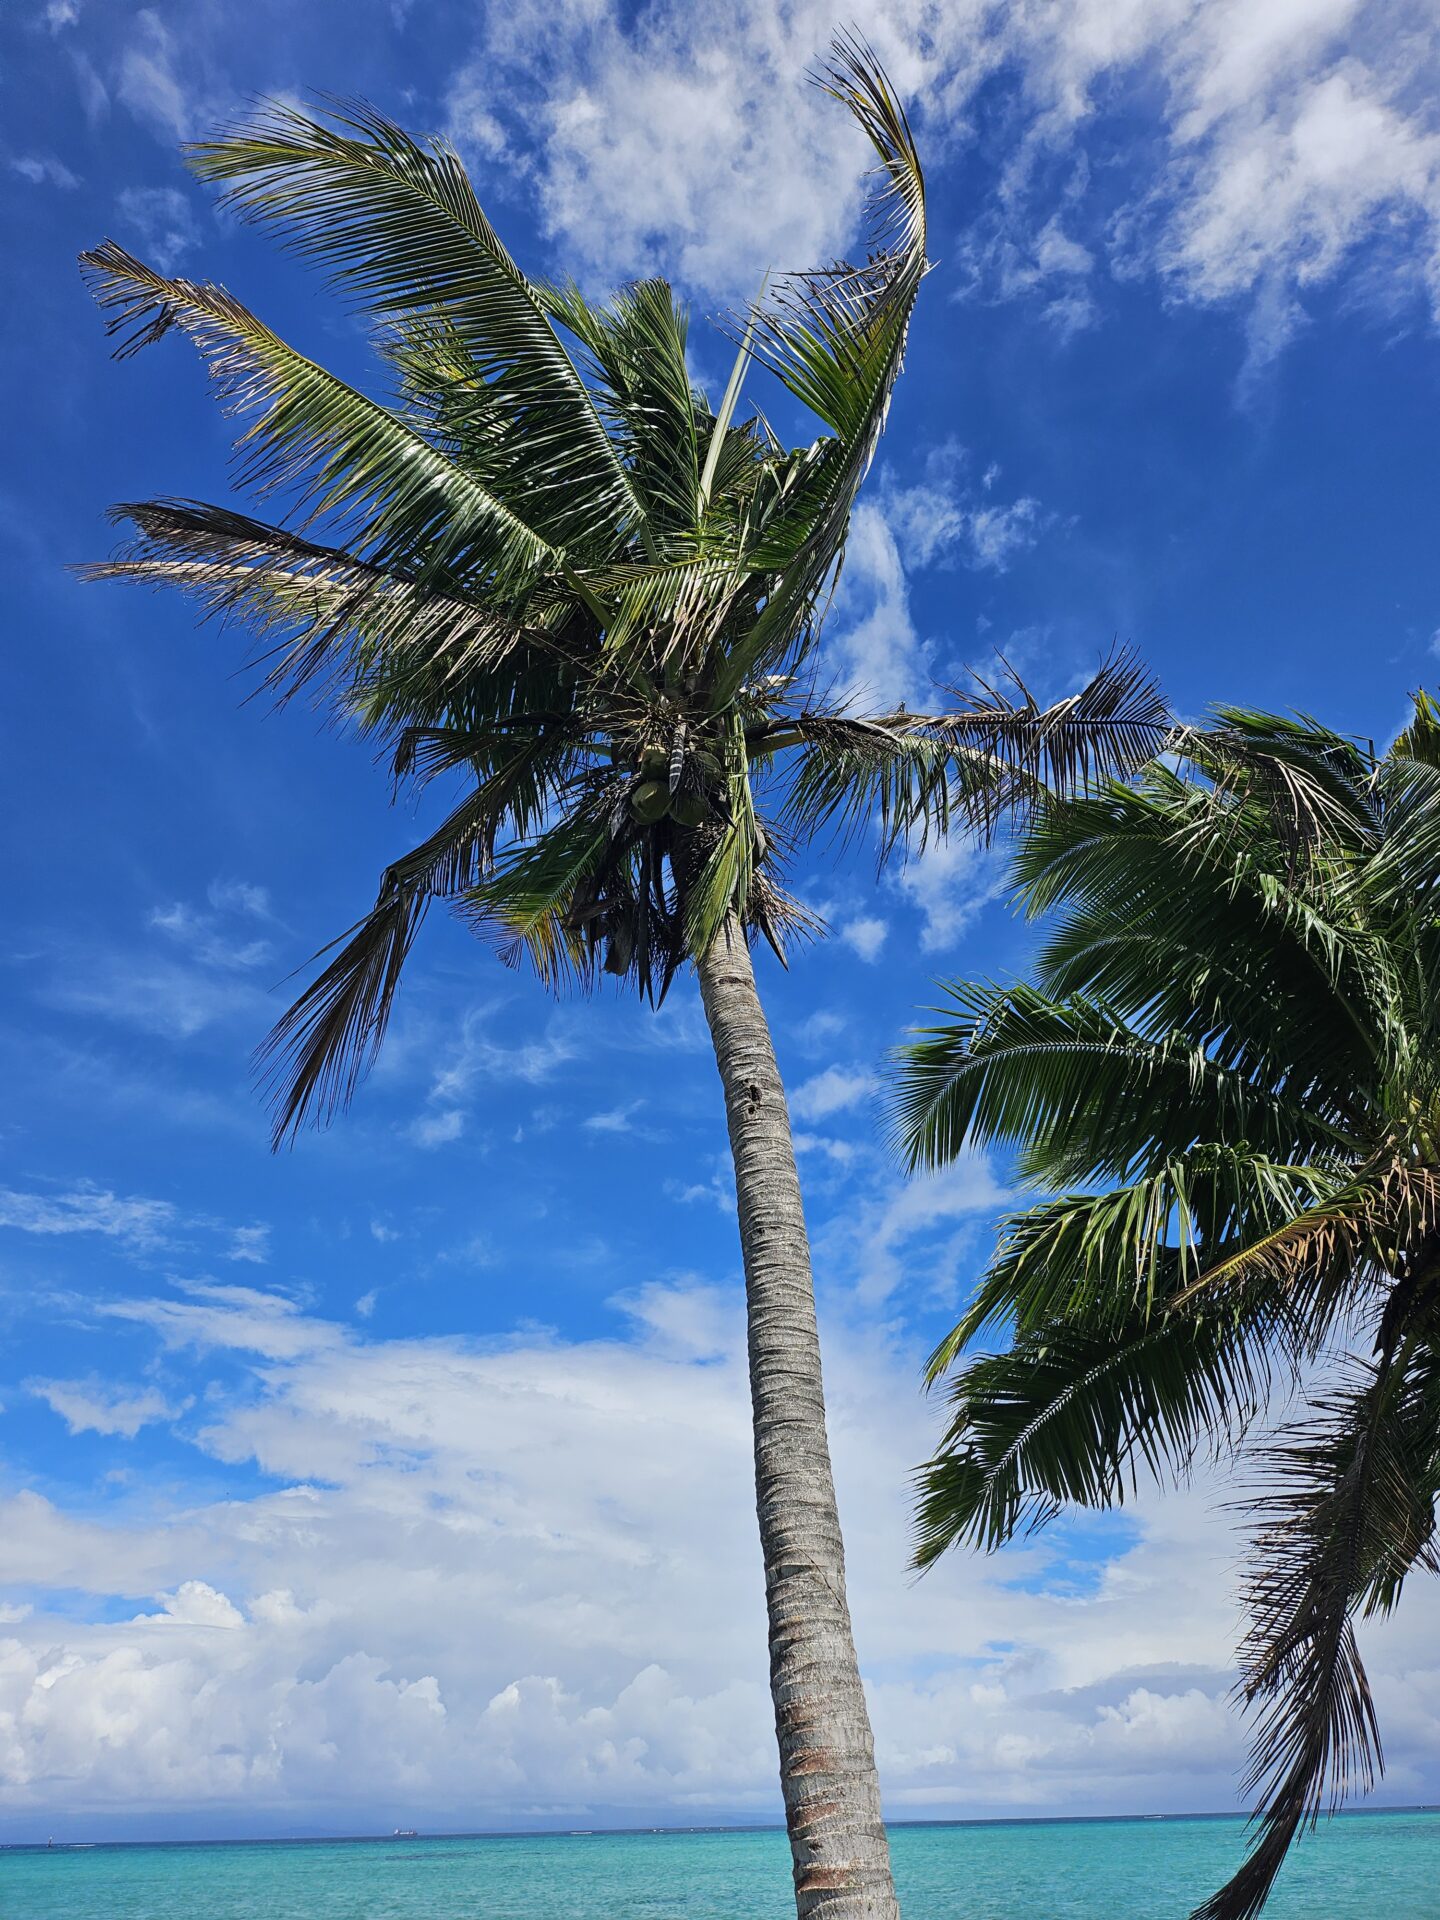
<point>1354,1868</point>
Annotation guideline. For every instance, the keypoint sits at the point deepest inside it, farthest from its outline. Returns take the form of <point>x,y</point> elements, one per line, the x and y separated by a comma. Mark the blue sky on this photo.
<point>403,1478</point>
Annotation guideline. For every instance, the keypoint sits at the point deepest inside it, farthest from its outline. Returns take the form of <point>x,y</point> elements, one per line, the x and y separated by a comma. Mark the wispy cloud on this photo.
<point>43,170</point>
<point>89,1209</point>
<point>97,1406</point>
<point>613,1119</point>
<point>865,935</point>
<point>249,1244</point>
<point>159,222</point>
<point>151,83</point>
<point>437,1129</point>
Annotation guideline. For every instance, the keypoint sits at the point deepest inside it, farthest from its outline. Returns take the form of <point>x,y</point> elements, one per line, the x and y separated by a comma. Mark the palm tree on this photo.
<point>1225,1076</point>
<point>549,568</point>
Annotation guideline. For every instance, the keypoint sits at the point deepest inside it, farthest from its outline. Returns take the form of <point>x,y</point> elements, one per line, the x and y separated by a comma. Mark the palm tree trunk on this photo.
<point>827,1753</point>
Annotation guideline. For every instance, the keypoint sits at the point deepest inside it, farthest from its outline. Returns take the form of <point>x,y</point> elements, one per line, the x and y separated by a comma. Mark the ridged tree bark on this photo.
<point>827,1754</point>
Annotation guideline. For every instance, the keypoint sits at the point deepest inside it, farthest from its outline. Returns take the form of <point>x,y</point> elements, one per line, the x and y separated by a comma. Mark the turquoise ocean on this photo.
<point>1357,1867</point>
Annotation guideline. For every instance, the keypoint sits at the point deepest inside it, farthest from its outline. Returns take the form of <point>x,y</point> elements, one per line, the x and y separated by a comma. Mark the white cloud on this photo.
<point>160,222</point>
<point>836,1090</point>
<point>998,533</point>
<point>871,646</point>
<point>437,1129</point>
<point>949,884</point>
<point>60,13</point>
<point>865,936</point>
<point>1281,142</point>
<point>485,1584</point>
<point>842,1152</point>
<point>155,996</point>
<point>150,84</point>
<point>43,170</point>
<point>952,1200</point>
<point>815,1032</point>
<point>94,1406</point>
<point>945,517</point>
<point>872,650</point>
<point>692,144</point>
<point>240,896</point>
<point>478,1059</point>
<point>175,997</point>
<point>87,1209</point>
<point>193,1604</point>
<point>613,1119</point>
<point>208,1317</point>
<point>250,1244</point>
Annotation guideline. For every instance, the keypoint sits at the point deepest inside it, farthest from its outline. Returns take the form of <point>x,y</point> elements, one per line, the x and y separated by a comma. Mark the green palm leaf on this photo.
<point>346,456</point>
<point>1075,1411</point>
<point>1230,1038</point>
<point>401,227</point>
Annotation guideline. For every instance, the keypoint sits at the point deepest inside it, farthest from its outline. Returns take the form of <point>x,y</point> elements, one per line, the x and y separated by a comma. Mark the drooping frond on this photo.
<point>1349,1512</point>
<point>1198,937</point>
<point>329,623</point>
<point>1068,1080</point>
<point>1132,1248</point>
<point>1076,1411</point>
<point>852,772</point>
<point>322,1047</point>
<point>1303,781</point>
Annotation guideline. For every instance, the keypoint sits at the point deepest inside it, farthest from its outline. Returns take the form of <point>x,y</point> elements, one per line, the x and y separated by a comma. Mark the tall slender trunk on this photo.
<point>827,1753</point>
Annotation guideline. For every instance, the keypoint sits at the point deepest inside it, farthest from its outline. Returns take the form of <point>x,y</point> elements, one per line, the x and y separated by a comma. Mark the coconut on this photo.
<point>690,809</point>
<point>650,801</point>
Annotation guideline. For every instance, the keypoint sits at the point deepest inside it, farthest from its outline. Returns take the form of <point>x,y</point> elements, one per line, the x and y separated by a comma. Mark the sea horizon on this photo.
<point>321,1838</point>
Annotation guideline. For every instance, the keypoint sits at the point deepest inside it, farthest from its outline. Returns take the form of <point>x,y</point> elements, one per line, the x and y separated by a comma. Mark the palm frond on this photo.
<point>345,456</point>
<point>330,622</point>
<point>1349,1510</point>
<point>402,230</point>
<point>1010,749</point>
<point>836,339</point>
<point>634,347</point>
<point>1132,1248</point>
<point>319,1051</point>
<point>850,772</point>
<point>1076,1410</point>
<point>1067,1079</point>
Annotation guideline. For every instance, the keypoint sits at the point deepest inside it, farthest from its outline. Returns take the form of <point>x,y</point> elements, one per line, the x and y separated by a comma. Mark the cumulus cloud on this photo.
<point>873,651</point>
<point>865,936</point>
<point>836,1090</point>
<point>484,1583</point>
<point>949,884</point>
<point>437,1129</point>
<point>1276,145</point>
